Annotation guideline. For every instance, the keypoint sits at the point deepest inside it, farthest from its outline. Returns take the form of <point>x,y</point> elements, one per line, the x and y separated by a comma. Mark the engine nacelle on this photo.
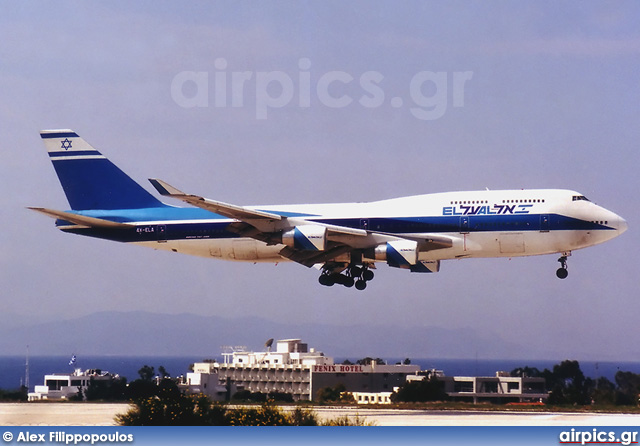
<point>399,253</point>
<point>306,237</point>
<point>426,266</point>
<point>404,254</point>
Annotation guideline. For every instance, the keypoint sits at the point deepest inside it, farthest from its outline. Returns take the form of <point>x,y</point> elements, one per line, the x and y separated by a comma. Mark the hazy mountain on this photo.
<point>137,333</point>
<point>10,321</point>
<point>144,333</point>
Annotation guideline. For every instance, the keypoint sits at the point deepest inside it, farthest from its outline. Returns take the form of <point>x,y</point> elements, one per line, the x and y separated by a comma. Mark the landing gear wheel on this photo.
<point>361,284</point>
<point>339,278</point>
<point>326,280</point>
<point>347,275</point>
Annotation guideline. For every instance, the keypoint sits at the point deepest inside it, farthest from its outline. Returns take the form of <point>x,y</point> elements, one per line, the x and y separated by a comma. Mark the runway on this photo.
<point>96,414</point>
<point>393,417</point>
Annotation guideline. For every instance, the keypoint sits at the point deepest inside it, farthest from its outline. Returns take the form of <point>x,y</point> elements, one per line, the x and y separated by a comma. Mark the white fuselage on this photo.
<point>506,223</point>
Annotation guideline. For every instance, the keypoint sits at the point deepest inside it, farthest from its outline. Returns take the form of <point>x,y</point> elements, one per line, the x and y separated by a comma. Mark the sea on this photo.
<point>12,368</point>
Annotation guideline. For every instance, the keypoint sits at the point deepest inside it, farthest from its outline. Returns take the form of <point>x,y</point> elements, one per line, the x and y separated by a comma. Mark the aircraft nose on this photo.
<point>622,225</point>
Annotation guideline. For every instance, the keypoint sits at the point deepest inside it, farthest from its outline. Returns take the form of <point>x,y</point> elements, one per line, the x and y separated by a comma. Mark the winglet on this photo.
<point>165,189</point>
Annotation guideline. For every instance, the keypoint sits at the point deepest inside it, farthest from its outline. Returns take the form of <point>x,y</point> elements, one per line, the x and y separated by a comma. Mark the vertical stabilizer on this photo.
<point>89,179</point>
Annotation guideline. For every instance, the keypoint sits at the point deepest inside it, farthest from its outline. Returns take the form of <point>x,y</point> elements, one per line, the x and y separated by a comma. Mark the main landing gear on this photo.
<point>357,275</point>
<point>562,272</point>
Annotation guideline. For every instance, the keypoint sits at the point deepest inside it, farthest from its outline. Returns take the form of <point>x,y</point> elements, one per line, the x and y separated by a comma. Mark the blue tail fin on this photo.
<point>89,179</point>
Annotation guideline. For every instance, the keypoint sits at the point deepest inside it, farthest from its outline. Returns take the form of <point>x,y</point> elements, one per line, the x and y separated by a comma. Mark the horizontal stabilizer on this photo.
<point>80,219</point>
<point>218,207</point>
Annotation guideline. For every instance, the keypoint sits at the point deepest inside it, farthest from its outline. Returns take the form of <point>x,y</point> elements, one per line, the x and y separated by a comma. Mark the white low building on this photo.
<point>502,388</point>
<point>62,386</point>
<point>372,398</point>
<point>205,381</point>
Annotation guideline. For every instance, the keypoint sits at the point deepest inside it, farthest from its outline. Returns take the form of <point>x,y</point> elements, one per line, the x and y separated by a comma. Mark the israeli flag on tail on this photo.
<point>89,179</point>
<point>72,361</point>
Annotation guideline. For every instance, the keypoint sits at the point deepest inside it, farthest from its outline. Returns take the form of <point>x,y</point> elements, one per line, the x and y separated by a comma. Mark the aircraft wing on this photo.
<point>306,258</point>
<point>217,207</point>
<point>430,242</point>
<point>268,227</point>
<point>81,220</point>
<point>251,216</point>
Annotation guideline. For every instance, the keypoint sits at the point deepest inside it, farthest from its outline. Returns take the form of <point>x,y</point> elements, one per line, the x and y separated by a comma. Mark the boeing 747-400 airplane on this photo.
<point>344,240</point>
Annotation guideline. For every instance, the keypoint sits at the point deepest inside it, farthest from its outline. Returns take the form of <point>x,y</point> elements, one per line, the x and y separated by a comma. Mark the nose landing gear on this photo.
<point>562,272</point>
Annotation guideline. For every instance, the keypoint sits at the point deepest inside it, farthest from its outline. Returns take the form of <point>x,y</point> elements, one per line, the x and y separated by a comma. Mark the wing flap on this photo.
<point>310,258</point>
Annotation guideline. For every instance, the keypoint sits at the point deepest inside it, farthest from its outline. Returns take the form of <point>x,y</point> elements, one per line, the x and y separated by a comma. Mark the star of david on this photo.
<point>66,144</point>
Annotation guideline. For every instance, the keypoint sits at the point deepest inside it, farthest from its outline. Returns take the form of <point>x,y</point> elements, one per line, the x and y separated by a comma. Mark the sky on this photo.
<point>302,102</point>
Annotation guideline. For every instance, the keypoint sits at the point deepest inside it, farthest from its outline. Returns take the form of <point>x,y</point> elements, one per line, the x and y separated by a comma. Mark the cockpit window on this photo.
<point>580,197</point>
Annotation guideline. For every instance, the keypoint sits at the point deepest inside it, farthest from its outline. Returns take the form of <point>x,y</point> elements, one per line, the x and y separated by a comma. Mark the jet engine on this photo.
<point>404,254</point>
<point>306,237</point>
<point>399,253</point>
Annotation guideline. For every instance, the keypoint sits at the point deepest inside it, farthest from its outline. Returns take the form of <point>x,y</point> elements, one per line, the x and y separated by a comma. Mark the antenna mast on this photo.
<point>26,371</point>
